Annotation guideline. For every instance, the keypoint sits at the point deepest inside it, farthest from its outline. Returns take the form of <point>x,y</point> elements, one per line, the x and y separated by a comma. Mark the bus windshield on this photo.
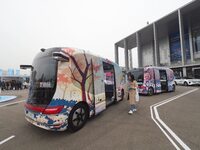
<point>138,74</point>
<point>43,79</point>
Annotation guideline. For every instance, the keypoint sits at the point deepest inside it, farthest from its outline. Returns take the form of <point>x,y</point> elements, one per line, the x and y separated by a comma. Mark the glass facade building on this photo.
<point>172,41</point>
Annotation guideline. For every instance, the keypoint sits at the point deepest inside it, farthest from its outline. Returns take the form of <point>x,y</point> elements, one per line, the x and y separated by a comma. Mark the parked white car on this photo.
<point>186,81</point>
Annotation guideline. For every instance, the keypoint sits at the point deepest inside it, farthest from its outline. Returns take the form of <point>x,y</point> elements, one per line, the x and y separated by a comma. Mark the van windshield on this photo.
<point>43,79</point>
<point>138,74</point>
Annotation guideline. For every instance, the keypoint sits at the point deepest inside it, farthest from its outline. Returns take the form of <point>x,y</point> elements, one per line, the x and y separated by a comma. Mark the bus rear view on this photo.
<point>39,108</point>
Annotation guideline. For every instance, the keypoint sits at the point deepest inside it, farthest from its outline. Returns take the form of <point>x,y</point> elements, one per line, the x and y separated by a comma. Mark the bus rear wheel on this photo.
<point>77,117</point>
<point>150,91</point>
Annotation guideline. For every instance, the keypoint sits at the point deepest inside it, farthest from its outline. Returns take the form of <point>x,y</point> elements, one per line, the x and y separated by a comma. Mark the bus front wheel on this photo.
<point>150,91</point>
<point>77,117</point>
<point>173,88</point>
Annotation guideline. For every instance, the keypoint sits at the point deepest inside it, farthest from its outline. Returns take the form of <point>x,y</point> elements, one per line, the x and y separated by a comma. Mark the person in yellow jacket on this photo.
<point>132,93</point>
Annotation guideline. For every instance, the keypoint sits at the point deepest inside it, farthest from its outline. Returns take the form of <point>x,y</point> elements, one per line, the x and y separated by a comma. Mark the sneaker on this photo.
<point>130,112</point>
<point>134,110</point>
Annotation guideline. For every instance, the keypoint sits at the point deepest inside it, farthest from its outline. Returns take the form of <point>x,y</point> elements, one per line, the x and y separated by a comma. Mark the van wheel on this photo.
<point>185,83</point>
<point>77,117</point>
<point>122,95</point>
<point>173,88</point>
<point>150,91</point>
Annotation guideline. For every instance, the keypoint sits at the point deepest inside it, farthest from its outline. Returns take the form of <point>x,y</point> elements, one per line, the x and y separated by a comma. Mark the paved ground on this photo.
<point>112,129</point>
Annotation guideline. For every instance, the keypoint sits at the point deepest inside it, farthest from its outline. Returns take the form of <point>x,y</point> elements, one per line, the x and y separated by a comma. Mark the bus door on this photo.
<point>109,82</point>
<point>163,80</point>
<point>99,87</point>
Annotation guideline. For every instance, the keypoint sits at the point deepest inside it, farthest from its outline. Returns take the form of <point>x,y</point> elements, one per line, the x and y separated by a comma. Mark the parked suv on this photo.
<point>186,81</point>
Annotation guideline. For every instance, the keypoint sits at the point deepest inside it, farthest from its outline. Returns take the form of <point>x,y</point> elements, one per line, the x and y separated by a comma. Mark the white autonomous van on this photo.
<point>68,86</point>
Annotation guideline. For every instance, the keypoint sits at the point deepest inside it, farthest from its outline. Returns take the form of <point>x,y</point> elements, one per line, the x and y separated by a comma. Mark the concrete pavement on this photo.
<point>112,129</point>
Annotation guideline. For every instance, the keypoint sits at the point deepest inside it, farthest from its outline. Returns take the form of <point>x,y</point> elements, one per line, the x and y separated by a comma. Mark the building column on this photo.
<point>169,53</point>
<point>190,41</point>
<point>184,72</point>
<point>156,51</point>
<point>139,50</point>
<point>116,54</point>
<point>126,55</point>
<point>182,39</point>
<point>130,59</point>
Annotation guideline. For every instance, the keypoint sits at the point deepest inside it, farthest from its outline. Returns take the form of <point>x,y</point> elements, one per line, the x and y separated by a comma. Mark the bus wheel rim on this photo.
<point>150,91</point>
<point>79,117</point>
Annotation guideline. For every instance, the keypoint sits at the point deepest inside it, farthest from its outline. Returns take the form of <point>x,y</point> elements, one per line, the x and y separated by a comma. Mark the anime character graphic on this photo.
<point>152,81</point>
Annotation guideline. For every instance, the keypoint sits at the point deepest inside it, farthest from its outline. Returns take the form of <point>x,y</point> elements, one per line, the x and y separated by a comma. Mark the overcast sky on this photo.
<point>94,25</point>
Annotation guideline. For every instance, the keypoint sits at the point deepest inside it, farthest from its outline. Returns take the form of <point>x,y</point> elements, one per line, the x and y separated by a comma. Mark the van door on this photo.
<point>109,82</point>
<point>99,87</point>
<point>163,80</point>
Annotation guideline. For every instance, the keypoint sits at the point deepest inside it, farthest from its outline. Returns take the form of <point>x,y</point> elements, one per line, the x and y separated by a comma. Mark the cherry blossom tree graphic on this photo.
<point>81,72</point>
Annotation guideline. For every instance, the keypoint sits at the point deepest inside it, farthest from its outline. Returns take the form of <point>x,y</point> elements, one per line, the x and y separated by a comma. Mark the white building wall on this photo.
<point>147,54</point>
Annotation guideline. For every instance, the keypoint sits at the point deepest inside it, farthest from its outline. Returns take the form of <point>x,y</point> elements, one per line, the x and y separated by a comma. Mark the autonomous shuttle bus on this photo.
<point>152,80</point>
<point>68,86</point>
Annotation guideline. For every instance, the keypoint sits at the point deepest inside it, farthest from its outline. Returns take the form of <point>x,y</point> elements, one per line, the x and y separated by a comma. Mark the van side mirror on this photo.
<point>26,67</point>
<point>60,56</point>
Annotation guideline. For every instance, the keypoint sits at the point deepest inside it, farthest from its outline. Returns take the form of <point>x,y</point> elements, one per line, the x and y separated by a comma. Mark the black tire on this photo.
<point>122,95</point>
<point>173,88</point>
<point>175,82</point>
<point>77,117</point>
<point>185,84</point>
<point>150,91</point>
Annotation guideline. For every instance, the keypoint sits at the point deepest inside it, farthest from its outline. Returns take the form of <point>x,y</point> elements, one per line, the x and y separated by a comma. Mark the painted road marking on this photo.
<point>7,139</point>
<point>161,128</point>
<point>164,127</point>
<point>12,103</point>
